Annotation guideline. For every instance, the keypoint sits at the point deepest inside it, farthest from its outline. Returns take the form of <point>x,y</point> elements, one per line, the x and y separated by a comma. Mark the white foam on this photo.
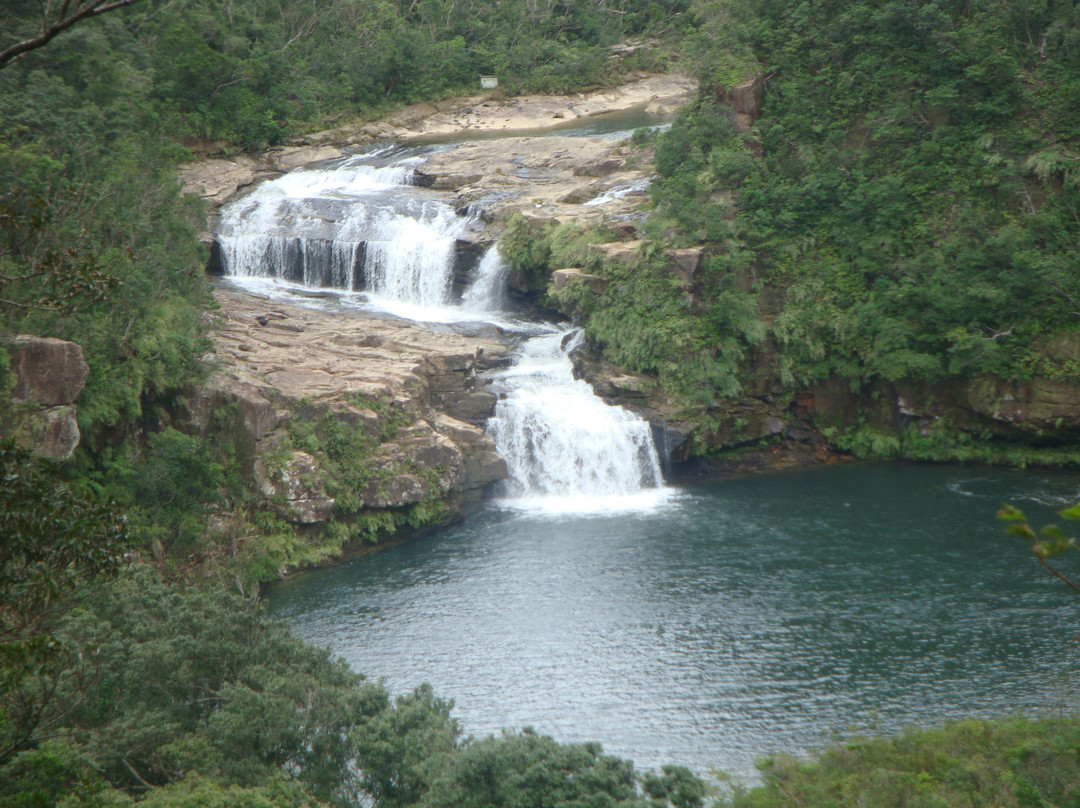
<point>567,450</point>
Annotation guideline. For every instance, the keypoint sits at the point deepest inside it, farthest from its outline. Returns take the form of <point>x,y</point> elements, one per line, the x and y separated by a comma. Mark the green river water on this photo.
<point>740,618</point>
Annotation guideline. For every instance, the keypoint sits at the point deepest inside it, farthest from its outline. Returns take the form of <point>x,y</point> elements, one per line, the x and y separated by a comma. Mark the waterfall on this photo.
<point>362,226</point>
<point>485,293</point>
<point>355,226</point>
<point>566,449</point>
<point>410,254</point>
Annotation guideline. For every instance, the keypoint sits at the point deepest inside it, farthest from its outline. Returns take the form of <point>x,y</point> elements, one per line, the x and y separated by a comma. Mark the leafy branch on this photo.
<point>57,18</point>
<point>60,279</point>
<point>1049,542</point>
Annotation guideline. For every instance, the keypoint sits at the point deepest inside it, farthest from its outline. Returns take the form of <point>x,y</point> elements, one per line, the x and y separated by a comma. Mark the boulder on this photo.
<point>49,372</point>
<point>296,488</point>
<point>745,98</point>
<point>672,441</point>
<point>625,253</point>
<point>472,407</point>
<point>485,467</point>
<point>460,432</point>
<point>216,180</point>
<point>685,263</point>
<point>565,277</point>
<point>256,414</point>
<point>49,376</point>
<point>52,432</point>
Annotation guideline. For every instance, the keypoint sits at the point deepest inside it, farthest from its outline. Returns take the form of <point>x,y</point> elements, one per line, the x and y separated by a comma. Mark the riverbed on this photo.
<point>735,619</point>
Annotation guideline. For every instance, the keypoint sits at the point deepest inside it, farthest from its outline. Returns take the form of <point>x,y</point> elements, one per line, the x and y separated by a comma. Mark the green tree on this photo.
<point>55,18</point>
<point>58,537</point>
<point>528,770</point>
<point>401,748</point>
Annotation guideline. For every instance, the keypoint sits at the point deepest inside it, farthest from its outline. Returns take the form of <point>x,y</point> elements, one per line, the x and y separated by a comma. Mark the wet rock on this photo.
<point>485,467</point>
<point>472,407</point>
<point>672,441</point>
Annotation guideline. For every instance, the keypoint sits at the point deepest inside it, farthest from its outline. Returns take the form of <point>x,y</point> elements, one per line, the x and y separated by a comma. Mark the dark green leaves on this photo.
<point>56,537</point>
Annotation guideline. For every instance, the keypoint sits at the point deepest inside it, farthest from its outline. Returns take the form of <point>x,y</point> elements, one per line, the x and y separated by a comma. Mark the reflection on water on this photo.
<point>615,125</point>
<point>744,617</point>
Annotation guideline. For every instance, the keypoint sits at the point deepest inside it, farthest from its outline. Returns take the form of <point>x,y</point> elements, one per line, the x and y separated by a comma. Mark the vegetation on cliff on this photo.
<point>911,194</point>
<point>917,197</point>
<point>1018,764</point>
<point>904,210</point>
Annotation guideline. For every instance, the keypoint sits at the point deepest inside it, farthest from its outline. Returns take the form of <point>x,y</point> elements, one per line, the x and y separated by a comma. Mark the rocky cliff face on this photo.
<point>302,387</point>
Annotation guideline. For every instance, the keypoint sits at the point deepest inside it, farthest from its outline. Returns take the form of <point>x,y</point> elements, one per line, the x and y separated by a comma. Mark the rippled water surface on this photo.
<point>740,618</point>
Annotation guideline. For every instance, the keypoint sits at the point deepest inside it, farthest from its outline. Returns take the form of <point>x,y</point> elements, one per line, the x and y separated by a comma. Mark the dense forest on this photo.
<point>904,211</point>
<point>904,215</point>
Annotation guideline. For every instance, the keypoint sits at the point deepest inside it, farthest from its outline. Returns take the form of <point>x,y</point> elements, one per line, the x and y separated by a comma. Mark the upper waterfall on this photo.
<point>355,226</point>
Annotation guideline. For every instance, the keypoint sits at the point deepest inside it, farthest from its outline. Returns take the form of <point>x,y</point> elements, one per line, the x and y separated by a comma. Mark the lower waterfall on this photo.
<point>567,449</point>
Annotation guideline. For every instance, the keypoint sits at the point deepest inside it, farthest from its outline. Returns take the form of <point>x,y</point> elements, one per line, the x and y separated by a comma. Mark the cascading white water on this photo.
<point>486,292</point>
<point>348,227</point>
<point>566,449</point>
<point>359,226</point>
<point>410,255</point>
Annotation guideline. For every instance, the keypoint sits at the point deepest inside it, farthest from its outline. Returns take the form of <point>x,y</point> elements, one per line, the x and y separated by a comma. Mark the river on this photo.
<point>737,618</point>
<point>704,624</point>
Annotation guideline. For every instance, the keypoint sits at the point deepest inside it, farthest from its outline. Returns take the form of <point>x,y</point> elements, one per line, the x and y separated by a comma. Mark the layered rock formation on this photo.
<point>411,398</point>
<point>586,180</point>
<point>219,179</point>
